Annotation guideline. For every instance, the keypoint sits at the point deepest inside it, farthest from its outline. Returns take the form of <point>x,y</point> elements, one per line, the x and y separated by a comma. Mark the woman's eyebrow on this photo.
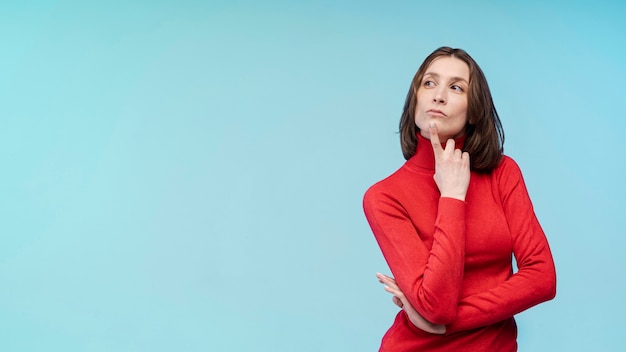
<point>454,79</point>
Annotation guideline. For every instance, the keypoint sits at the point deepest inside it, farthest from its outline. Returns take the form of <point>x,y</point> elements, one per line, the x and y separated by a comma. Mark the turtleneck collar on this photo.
<point>424,157</point>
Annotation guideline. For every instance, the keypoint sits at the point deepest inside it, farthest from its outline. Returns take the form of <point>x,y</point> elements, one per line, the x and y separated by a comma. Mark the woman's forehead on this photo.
<point>448,67</point>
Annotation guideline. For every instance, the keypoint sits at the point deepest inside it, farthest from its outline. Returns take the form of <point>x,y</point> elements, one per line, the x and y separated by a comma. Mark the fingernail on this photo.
<point>432,124</point>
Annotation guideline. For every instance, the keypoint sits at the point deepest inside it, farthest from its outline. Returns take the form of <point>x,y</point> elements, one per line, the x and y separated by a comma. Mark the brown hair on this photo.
<point>484,134</point>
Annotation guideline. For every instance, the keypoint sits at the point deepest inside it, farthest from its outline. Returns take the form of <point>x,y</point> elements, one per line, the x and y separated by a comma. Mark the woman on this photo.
<point>450,219</point>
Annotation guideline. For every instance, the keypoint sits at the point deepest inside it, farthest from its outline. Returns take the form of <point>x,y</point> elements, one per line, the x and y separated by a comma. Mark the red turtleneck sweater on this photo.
<point>453,259</point>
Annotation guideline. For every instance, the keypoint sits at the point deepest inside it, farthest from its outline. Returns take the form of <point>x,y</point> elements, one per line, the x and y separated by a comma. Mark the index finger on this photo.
<point>384,278</point>
<point>434,140</point>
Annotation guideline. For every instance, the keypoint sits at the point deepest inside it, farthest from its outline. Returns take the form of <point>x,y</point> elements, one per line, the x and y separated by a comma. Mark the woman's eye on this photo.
<point>457,88</point>
<point>429,83</point>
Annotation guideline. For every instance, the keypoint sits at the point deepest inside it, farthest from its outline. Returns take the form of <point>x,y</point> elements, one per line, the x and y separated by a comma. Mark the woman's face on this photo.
<point>442,98</point>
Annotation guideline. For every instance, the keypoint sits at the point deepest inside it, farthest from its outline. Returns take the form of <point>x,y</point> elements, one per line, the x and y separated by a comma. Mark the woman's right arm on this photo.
<point>399,299</point>
<point>431,277</point>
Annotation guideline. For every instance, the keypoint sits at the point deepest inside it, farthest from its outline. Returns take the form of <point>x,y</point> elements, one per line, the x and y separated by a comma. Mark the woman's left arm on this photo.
<point>535,280</point>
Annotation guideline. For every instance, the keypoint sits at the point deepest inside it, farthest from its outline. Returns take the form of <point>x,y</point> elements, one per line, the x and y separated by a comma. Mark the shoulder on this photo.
<point>381,188</point>
<point>508,173</point>
<point>388,188</point>
<point>507,166</point>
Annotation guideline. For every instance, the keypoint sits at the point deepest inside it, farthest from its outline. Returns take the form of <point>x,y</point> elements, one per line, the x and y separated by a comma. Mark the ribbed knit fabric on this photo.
<point>453,259</point>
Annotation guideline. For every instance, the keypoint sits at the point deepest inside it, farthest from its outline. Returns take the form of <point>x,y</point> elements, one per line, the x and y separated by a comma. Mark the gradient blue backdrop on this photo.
<point>187,175</point>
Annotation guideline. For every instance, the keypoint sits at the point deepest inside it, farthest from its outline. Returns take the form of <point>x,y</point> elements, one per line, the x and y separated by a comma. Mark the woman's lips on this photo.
<point>435,112</point>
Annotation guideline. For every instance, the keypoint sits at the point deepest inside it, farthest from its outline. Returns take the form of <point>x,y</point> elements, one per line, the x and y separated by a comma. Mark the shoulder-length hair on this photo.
<point>484,134</point>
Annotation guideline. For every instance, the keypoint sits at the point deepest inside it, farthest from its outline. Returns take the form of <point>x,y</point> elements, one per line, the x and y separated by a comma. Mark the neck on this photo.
<point>424,157</point>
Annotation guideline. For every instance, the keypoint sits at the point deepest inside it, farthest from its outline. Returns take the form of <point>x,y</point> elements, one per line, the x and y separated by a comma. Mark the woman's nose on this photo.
<point>439,97</point>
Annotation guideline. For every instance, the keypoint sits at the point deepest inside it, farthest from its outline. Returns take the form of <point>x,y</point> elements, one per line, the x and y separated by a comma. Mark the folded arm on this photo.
<point>535,280</point>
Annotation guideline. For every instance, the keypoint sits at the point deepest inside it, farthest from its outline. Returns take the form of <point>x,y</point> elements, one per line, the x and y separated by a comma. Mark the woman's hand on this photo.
<point>401,301</point>
<point>452,167</point>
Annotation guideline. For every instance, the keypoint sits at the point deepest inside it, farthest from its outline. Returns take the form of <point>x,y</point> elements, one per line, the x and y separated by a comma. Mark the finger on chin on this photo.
<point>434,136</point>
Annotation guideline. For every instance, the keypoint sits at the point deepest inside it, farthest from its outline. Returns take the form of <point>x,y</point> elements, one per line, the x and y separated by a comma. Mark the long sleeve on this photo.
<point>453,259</point>
<point>535,280</point>
<point>428,267</point>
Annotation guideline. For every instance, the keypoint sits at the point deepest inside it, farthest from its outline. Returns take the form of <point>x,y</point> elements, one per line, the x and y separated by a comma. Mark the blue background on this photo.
<point>188,175</point>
